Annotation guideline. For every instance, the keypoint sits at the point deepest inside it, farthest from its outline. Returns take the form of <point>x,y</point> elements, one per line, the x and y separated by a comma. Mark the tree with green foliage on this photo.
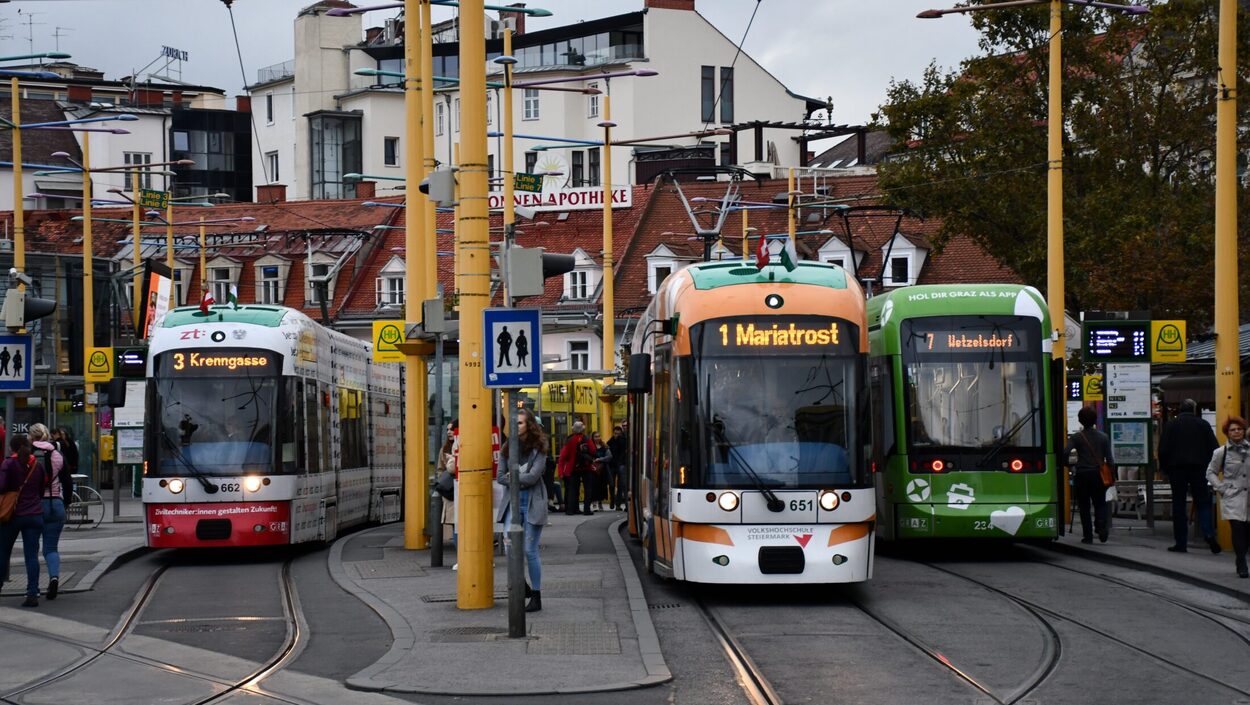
<point>1139,99</point>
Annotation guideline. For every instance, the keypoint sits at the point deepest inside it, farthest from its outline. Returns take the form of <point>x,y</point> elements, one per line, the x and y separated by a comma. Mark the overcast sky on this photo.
<point>847,49</point>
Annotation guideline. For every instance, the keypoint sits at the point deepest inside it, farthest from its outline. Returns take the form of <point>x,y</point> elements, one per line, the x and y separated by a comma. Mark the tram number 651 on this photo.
<point>801,505</point>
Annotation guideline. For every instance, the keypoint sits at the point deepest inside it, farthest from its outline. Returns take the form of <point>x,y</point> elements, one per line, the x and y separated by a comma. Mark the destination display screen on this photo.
<point>1117,341</point>
<point>218,362</point>
<point>970,335</point>
<point>967,340</point>
<point>791,334</point>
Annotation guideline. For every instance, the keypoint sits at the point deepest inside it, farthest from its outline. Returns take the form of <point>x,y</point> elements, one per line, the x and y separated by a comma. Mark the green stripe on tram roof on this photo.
<point>710,275</point>
<point>269,316</point>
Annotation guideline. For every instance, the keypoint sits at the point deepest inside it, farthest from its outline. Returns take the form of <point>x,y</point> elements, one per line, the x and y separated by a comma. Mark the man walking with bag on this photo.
<point>1184,450</point>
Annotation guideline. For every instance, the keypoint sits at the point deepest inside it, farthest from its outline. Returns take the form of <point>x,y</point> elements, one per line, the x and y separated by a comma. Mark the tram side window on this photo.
<point>288,437</point>
<point>664,421</point>
<point>685,399</point>
<point>312,426</point>
<point>882,410</point>
<point>351,429</point>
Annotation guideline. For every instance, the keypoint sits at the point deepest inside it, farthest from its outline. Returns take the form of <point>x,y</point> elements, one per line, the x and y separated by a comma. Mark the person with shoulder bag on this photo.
<point>53,502</point>
<point>1229,475</point>
<point>575,465</point>
<point>1088,450</point>
<point>23,474</point>
<point>533,500</point>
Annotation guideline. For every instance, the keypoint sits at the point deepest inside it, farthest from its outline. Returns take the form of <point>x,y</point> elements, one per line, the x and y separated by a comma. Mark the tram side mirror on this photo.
<point>116,391</point>
<point>639,381</point>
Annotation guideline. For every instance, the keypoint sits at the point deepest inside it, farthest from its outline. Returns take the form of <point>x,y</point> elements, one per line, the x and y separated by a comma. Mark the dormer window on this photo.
<point>577,285</point>
<point>660,264</point>
<point>317,270</point>
<point>389,285</point>
<point>900,270</point>
<point>581,283</point>
<point>223,273</point>
<point>271,274</point>
<point>904,261</point>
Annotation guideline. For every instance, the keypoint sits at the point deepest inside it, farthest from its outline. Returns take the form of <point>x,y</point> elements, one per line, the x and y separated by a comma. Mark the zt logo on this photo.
<point>193,334</point>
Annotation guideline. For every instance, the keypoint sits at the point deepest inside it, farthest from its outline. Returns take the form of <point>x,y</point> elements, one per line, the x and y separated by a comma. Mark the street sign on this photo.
<point>527,182</point>
<point>100,363</point>
<point>1093,388</point>
<point>1116,341</point>
<point>1167,341</point>
<point>153,199</point>
<point>513,347</point>
<point>387,335</point>
<point>1128,391</point>
<point>17,369</point>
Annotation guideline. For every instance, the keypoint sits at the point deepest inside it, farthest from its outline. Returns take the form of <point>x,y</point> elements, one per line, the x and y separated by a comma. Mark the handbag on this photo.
<point>8,501</point>
<point>1105,472</point>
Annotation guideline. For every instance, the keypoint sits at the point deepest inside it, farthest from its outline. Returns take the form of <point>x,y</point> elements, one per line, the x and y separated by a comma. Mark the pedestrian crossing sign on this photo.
<point>513,348</point>
<point>17,369</point>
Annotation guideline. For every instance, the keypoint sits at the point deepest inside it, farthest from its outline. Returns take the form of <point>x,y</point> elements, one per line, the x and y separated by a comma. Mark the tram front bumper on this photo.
<point>979,520</point>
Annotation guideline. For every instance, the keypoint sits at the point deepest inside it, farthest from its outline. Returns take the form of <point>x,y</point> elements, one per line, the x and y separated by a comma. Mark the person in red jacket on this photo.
<point>576,467</point>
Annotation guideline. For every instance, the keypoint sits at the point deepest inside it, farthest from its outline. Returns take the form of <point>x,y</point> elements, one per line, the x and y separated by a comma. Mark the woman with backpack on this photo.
<point>23,474</point>
<point>576,467</point>
<point>1229,476</point>
<point>53,501</point>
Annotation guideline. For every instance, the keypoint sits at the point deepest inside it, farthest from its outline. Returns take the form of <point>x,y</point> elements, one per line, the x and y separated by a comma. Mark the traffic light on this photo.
<point>19,308</point>
<point>531,266</point>
<point>440,186</point>
<point>555,264</point>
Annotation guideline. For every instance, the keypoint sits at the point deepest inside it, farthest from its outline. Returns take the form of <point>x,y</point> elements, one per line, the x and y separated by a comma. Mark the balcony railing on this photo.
<point>276,71</point>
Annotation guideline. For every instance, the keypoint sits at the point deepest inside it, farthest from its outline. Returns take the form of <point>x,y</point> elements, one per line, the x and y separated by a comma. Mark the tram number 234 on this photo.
<point>802,505</point>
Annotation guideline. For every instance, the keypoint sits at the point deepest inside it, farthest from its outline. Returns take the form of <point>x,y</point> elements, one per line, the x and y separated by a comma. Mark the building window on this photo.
<point>531,162</point>
<point>271,159</point>
<point>220,282</point>
<point>490,108</point>
<point>579,168</point>
<point>490,166</point>
<point>269,108</point>
<point>530,102</point>
<point>592,176</point>
<point>390,151</point>
<point>577,285</point>
<point>835,260</point>
<point>336,150</point>
<point>708,104</point>
<point>179,297</point>
<point>269,285</point>
<point>390,291</point>
<point>727,94</point>
<point>140,159</point>
<point>439,116</point>
<point>579,355</point>
<point>592,103</point>
<point>456,116</point>
<point>659,273</point>
<point>318,272</point>
<point>727,152</point>
<point>900,270</point>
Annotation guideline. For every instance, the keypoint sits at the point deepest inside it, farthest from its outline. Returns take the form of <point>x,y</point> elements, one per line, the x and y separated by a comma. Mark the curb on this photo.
<point>1123,562</point>
<point>106,564</point>
<point>405,639</point>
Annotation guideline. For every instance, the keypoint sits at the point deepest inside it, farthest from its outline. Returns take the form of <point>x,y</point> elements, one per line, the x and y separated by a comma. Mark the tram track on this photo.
<point>293,643</point>
<point>754,684</point>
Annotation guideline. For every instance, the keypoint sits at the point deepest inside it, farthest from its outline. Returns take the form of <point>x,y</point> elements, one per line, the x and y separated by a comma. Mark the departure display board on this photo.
<point>1116,341</point>
<point>799,334</point>
<point>218,363</point>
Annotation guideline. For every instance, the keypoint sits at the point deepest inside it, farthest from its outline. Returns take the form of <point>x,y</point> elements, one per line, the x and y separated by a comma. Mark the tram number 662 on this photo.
<point>229,487</point>
<point>802,505</point>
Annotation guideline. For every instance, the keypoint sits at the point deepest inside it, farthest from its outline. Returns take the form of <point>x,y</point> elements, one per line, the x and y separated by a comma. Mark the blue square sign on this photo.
<point>17,369</point>
<point>514,351</point>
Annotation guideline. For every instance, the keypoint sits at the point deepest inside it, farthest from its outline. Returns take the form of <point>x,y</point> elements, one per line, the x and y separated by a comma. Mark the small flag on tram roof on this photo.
<point>206,301</point>
<point>761,253</point>
<point>789,256</point>
<point>233,299</point>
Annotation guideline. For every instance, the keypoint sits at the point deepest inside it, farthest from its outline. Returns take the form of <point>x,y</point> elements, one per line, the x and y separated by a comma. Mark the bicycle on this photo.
<point>87,509</point>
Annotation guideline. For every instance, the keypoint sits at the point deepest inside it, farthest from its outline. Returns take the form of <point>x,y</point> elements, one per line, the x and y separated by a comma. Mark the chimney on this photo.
<point>79,94</point>
<point>177,100</point>
<point>670,4</point>
<point>518,19</point>
<point>148,97</point>
<point>366,189</point>
<point>271,193</point>
<point>243,103</point>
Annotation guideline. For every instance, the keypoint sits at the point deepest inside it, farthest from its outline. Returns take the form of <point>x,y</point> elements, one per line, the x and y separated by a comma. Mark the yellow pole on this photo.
<point>427,138</point>
<point>416,425</point>
<point>1227,356</point>
<point>19,216</point>
<point>609,301</point>
<point>475,581</point>
<point>1054,185</point>
<point>746,231</point>
<point>88,280</point>
<point>791,226</point>
<point>509,210</point>
<point>137,280</point>
<point>458,260</point>
<point>169,237</point>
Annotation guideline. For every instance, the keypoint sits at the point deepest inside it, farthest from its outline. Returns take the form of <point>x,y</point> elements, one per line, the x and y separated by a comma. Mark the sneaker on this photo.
<point>30,601</point>
<point>54,585</point>
<point>1102,538</point>
<point>1178,549</point>
<point>1215,545</point>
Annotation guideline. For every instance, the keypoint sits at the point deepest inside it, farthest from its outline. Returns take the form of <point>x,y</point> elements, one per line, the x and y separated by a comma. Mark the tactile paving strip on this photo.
<point>468,634</point>
<point>573,638</point>
<point>368,570</point>
<point>17,579</point>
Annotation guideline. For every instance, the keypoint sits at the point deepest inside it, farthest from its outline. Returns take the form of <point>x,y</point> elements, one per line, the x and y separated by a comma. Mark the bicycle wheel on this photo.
<point>87,509</point>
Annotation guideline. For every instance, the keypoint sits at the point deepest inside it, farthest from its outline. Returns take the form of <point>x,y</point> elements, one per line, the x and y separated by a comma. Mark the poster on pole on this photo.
<point>513,347</point>
<point>158,286</point>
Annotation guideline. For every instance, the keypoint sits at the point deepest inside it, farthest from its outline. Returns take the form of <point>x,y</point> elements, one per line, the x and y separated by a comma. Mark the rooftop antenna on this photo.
<point>59,32</point>
<point>30,27</point>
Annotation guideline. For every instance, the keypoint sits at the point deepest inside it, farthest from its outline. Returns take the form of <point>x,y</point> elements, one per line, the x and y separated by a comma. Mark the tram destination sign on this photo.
<point>783,333</point>
<point>219,362</point>
<point>968,340</point>
<point>1116,341</point>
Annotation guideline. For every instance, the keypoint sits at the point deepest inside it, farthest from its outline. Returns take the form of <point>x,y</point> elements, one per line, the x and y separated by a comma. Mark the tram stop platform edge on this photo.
<point>594,633</point>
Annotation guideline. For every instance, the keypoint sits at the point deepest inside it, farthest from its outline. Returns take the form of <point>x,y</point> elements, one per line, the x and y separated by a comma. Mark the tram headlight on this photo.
<point>175,486</point>
<point>251,483</point>
<point>828,500</point>
<point>728,501</point>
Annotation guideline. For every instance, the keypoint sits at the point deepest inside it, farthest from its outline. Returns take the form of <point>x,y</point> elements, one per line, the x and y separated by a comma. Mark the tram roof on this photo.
<point>711,275</point>
<point>268,316</point>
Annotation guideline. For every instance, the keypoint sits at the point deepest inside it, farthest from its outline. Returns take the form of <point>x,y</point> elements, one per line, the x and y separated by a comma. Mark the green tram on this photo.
<point>965,442</point>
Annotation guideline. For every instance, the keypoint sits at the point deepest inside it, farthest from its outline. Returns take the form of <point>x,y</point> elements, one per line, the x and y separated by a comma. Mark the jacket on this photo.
<point>29,500</point>
<point>1187,442</point>
<point>530,475</point>
<point>568,463</point>
<point>1092,448</point>
<point>59,471</point>
<point>1235,481</point>
<point>620,450</point>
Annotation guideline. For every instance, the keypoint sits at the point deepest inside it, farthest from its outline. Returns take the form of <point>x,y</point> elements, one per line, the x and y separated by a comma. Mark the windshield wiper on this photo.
<point>198,474</point>
<point>774,503</point>
<point>1006,437</point>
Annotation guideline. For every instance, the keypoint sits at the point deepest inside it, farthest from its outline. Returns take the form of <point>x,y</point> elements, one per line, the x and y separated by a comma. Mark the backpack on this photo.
<point>585,459</point>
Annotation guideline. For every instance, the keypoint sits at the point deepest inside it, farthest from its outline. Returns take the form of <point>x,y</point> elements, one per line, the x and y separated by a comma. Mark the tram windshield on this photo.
<point>212,413</point>
<point>973,381</point>
<point>776,402</point>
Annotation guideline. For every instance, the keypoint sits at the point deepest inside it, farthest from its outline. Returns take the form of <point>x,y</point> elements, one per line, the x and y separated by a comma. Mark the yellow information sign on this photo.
<point>387,336</point>
<point>1093,388</point>
<point>1167,341</point>
<point>99,365</point>
<point>106,447</point>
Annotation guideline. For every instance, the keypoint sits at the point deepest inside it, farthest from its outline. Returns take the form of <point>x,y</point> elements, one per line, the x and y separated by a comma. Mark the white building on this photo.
<point>318,120</point>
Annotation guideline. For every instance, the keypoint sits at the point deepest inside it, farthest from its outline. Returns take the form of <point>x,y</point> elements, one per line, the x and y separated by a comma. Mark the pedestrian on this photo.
<point>1185,451</point>
<point>445,482</point>
<point>53,502</point>
<point>1087,450</point>
<point>576,462</point>
<point>64,440</point>
<point>619,447</point>
<point>555,491</point>
<point>533,500</point>
<point>1229,475</point>
<point>21,472</point>
<point>603,460</point>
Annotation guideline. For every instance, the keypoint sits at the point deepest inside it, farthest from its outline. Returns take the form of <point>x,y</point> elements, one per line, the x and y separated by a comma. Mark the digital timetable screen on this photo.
<point>1117,341</point>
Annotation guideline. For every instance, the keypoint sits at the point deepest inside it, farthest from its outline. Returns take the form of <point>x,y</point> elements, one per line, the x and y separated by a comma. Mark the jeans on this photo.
<point>1194,481</point>
<point>1241,541</point>
<point>53,525</point>
<point>532,533</point>
<point>29,527</point>
<point>573,484</point>
<point>1088,488</point>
